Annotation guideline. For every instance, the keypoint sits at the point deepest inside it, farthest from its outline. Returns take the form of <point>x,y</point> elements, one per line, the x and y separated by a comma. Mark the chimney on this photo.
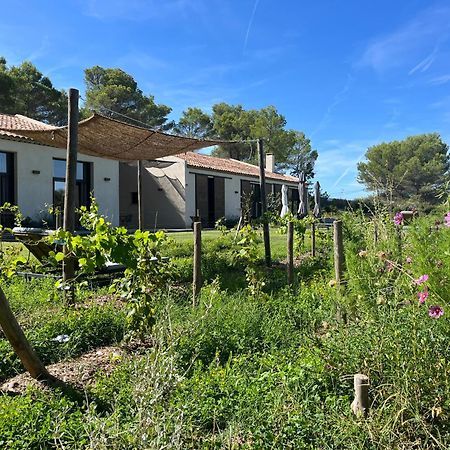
<point>270,162</point>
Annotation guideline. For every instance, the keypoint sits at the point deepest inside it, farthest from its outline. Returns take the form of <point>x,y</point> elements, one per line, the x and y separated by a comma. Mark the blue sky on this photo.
<point>350,74</point>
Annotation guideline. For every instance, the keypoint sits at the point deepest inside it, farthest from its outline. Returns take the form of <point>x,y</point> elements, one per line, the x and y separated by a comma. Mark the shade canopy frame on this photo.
<point>109,138</point>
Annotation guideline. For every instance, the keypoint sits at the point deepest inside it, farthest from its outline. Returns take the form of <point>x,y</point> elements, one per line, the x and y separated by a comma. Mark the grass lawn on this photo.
<point>277,240</point>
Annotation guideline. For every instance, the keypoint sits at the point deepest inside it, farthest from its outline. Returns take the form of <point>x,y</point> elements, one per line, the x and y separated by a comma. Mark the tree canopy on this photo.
<point>410,172</point>
<point>292,150</point>
<point>24,90</point>
<point>194,123</point>
<point>114,91</point>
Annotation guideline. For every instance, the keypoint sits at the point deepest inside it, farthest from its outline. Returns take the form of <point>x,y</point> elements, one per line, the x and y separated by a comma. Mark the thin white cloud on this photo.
<point>141,60</point>
<point>250,24</point>
<point>426,63</point>
<point>427,29</point>
<point>137,10</point>
<point>443,79</point>
<point>338,98</point>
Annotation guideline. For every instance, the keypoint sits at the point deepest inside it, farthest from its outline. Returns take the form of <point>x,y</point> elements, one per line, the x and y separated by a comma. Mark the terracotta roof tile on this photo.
<point>18,122</point>
<point>230,166</point>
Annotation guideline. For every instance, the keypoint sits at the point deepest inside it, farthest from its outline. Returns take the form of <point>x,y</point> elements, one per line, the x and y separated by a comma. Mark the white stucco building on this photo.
<point>215,186</point>
<point>32,176</point>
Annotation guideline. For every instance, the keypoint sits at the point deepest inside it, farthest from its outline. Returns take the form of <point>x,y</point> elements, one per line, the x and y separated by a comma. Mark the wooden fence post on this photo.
<point>262,184</point>
<point>19,342</point>
<point>197,275</point>
<point>360,405</point>
<point>290,253</point>
<point>338,251</point>
<point>140,169</point>
<point>71,176</point>
<point>313,239</point>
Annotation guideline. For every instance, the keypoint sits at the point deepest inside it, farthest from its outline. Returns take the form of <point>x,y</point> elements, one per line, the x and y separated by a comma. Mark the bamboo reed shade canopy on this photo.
<point>109,138</point>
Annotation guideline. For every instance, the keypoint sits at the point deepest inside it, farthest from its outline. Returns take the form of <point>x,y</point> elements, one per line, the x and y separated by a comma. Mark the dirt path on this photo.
<point>78,372</point>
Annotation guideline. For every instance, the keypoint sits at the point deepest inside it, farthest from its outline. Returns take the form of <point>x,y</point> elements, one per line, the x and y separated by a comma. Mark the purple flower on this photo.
<point>421,279</point>
<point>398,218</point>
<point>408,260</point>
<point>435,311</point>
<point>447,219</point>
<point>422,297</point>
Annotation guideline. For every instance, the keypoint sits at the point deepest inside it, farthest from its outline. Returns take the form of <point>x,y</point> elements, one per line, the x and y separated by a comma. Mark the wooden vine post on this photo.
<point>71,176</point>
<point>19,342</point>
<point>140,169</point>
<point>360,405</point>
<point>338,251</point>
<point>290,253</point>
<point>262,184</point>
<point>313,239</point>
<point>197,275</point>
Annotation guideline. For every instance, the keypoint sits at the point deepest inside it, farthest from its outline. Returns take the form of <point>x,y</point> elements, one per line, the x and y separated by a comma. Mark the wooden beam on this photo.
<point>19,342</point>
<point>262,184</point>
<point>140,169</point>
<point>197,275</point>
<point>338,251</point>
<point>290,253</point>
<point>71,176</point>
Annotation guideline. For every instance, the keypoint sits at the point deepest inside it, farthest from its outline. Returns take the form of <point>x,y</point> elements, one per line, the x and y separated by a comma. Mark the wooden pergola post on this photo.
<point>140,169</point>
<point>71,177</point>
<point>262,184</point>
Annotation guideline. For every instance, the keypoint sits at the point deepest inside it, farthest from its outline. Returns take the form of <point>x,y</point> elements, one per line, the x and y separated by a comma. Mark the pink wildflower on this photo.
<point>398,218</point>
<point>435,311</point>
<point>422,297</point>
<point>447,219</point>
<point>421,279</point>
<point>408,260</point>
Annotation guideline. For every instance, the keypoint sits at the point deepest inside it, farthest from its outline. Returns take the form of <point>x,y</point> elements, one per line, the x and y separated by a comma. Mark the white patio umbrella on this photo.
<point>303,196</point>
<point>316,210</point>
<point>284,200</point>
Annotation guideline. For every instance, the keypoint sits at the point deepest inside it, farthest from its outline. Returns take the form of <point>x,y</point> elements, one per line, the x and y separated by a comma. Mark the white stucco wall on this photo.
<point>34,192</point>
<point>232,191</point>
<point>163,195</point>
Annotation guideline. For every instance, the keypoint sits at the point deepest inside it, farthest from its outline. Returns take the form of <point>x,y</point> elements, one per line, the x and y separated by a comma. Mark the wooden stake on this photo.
<point>290,253</point>
<point>197,276</point>
<point>19,342</point>
<point>140,169</point>
<point>338,251</point>
<point>313,239</point>
<point>71,177</point>
<point>360,405</point>
<point>262,184</point>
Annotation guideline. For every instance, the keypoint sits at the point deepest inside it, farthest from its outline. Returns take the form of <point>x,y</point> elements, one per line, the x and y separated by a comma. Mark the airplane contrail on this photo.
<point>250,23</point>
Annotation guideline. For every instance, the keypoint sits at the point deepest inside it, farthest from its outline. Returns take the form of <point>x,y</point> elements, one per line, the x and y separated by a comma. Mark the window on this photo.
<point>83,183</point>
<point>6,177</point>
<point>7,185</point>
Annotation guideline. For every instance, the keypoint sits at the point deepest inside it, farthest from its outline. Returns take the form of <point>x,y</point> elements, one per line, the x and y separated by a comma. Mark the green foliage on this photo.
<point>194,123</point>
<point>238,372</point>
<point>292,150</point>
<point>41,312</point>
<point>24,90</point>
<point>409,173</point>
<point>247,252</point>
<point>138,252</point>
<point>114,90</point>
